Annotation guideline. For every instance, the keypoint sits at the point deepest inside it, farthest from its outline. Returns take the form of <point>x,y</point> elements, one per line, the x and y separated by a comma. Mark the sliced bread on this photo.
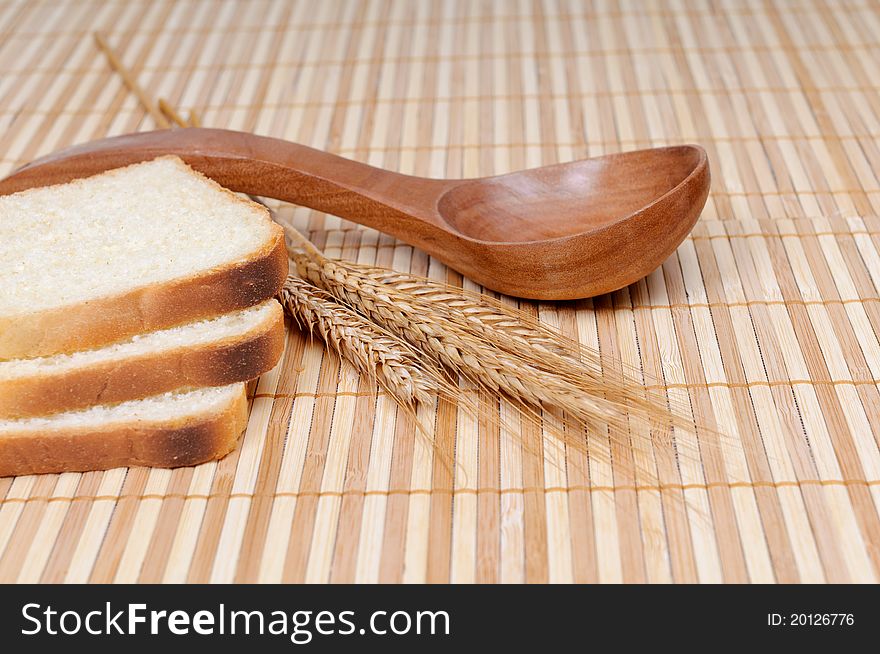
<point>133,250</point>
<point>234,347</point>
<point>170,430</point>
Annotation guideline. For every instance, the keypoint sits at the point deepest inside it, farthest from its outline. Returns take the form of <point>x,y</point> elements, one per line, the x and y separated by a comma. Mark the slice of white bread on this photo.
<point>129,251</point>
<point>234,347</point>
<point>166,431</point>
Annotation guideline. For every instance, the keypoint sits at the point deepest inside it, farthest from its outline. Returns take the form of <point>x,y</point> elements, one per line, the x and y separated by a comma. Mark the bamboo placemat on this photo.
<point>766,320</point>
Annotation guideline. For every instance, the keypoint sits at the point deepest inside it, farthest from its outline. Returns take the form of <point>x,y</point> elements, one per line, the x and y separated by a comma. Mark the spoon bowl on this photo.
<point>565,199</point>
<point>558,232</point>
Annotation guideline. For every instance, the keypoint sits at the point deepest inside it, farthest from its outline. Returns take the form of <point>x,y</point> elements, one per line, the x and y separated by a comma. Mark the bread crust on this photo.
<point>185,442</point>
<point>218,363</point>
<point>108,320</point>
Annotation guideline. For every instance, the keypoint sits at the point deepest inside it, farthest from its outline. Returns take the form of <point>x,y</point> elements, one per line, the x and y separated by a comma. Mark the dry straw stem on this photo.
<point>495,349</point>
<point>163,112</point>
<point>129,81</point>
<point>171,114</point>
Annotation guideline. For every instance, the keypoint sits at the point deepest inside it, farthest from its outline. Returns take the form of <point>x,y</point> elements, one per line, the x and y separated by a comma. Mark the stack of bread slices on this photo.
<point>134,306</point>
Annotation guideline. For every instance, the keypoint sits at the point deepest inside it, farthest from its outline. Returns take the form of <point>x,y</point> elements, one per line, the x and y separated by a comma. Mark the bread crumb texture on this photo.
<point>147,223</point>
<point>192,335</point>
<point>159,409</point>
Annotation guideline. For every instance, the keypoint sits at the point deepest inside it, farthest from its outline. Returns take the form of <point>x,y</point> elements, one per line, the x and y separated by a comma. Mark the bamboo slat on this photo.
<point>765,322</point>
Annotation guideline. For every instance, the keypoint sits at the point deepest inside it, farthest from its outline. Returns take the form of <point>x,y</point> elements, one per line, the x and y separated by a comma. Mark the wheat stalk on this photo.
<point>495,349</point>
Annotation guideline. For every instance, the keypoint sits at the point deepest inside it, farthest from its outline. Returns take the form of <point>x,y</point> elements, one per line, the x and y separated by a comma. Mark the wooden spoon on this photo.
<point>558,232</point>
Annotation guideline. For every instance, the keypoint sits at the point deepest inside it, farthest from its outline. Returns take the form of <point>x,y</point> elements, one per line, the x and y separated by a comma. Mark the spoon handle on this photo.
<point>259,165</point>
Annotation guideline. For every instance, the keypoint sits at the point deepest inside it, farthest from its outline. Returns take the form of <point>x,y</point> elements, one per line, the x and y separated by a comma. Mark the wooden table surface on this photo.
<point>766,320</point>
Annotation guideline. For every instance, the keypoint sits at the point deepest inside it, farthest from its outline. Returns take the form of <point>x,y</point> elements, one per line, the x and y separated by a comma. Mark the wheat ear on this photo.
<point>496,351</point>
<point>355,339</point>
